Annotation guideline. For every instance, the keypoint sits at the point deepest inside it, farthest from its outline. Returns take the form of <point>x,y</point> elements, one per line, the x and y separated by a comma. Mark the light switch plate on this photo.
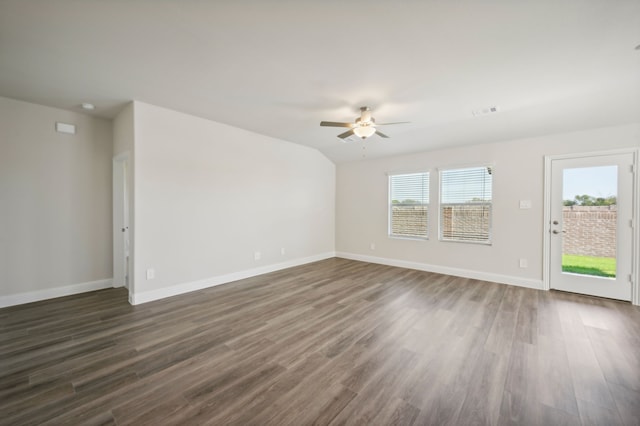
<point>65,128</point>
<point>525,204</point>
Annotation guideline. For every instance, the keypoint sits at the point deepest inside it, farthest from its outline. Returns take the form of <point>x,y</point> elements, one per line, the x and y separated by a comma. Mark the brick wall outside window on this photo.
<point>590,230</point>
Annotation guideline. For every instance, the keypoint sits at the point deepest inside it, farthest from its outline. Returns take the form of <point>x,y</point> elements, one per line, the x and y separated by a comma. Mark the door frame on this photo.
<point>546,252</point>
<point>120,179</point>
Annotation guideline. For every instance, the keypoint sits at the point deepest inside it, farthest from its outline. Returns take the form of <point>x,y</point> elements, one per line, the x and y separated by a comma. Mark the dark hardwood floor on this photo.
<point>333,342</point>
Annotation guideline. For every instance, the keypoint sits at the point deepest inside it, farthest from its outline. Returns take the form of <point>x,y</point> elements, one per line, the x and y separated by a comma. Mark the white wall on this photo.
<point>361,205</point>
<point>208,195</point>
<point>123,131</point>
<point>55,203</point>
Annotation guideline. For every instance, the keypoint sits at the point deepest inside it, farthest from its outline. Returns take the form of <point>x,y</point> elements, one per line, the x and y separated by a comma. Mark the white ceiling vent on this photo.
<point>485,111</point>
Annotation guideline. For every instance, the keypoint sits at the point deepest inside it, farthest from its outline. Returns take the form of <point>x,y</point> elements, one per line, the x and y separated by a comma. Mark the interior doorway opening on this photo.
<point>121,223</point>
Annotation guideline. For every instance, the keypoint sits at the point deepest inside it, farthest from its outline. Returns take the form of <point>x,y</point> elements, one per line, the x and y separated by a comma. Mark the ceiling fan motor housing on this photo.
<point>365,115</point>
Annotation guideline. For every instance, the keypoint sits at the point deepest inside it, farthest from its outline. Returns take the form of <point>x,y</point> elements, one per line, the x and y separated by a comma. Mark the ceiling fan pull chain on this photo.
<point>364,150</point>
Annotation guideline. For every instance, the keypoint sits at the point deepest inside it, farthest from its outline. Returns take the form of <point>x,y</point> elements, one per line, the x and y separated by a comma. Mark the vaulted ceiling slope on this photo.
<point>279,67</point>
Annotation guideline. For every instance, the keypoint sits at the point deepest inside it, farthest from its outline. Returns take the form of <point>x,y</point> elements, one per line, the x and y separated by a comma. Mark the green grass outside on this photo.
<point>589,265</point>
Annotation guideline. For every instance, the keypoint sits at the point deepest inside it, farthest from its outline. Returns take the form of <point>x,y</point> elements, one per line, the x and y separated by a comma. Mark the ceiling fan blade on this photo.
<point>335,124</point>
<point>382,135</point>
<point>346,134</point>
<point>397,122</point>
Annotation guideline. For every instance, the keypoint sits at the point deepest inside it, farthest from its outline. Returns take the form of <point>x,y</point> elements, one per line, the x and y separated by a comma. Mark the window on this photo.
<point>465,204</point>
<point>409,205</point>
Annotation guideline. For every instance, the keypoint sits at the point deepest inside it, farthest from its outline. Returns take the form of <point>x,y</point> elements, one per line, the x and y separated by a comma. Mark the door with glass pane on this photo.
<point>591,234</point>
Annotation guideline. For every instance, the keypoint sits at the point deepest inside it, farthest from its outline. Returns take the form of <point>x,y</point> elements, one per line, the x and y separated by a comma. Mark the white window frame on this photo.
<point>442,205</point>
<point>390,205</point>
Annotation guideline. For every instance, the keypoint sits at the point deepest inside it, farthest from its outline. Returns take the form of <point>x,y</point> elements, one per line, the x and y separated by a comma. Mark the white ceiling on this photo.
<point>279,67</point>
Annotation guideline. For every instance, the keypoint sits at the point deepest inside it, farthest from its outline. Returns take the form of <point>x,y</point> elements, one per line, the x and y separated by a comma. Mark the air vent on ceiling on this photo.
<point>485,111</point>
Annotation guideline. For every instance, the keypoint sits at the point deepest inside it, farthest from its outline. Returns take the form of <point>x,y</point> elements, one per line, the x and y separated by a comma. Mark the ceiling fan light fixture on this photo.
<point>364,131</point>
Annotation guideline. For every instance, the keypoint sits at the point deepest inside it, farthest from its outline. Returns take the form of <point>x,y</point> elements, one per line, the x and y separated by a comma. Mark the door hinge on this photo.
<point>632,168</point>
<point>632,223</point>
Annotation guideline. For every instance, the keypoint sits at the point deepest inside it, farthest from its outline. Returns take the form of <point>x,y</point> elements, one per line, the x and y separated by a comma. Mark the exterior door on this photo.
<point>591,227</point>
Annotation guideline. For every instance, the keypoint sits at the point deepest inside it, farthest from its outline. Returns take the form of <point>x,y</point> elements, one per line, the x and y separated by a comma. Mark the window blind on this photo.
<point>409,205</point>
<point>465,204</point>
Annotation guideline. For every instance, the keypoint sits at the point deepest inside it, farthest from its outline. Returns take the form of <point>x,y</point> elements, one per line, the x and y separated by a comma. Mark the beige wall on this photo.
<point>208,195</point>
<point>361,209</point>
<point>55,199</point>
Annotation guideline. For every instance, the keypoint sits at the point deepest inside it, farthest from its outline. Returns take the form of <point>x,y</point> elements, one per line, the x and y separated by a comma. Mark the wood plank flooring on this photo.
<point>334,342</point>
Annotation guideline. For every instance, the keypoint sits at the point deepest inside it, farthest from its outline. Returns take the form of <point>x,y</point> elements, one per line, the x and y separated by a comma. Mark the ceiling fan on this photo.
<point>363,127</point>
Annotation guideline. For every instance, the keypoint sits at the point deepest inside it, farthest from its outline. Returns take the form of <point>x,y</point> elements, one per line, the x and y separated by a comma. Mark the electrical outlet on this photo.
<point>283,251</point>
<point>372,246</point>
<point>151,273</point>
<point>524,263</point>
<point>257,255</point>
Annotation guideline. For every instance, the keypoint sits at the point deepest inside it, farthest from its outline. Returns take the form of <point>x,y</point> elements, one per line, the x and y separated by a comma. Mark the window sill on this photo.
<point>402,237</point>
<point>481,243</point>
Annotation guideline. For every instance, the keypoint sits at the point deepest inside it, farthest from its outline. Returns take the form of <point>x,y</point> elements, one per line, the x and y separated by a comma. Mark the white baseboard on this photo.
<point>465,273</point>
<point>35,296</point>
<point>174,290</point>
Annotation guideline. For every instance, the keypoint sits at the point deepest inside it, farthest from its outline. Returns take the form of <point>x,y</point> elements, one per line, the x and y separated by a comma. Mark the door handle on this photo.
<point>555,231</point>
